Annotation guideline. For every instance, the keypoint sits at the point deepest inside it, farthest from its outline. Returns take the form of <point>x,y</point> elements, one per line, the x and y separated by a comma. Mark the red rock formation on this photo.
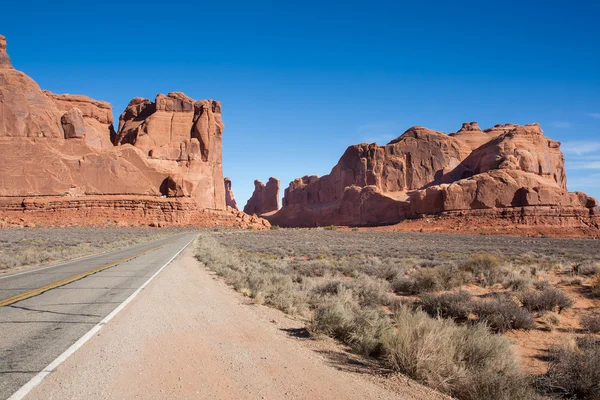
<point>265,198</point>
<point>4,58</point>
<point>426,172</point>
<point>229,197</point>
<point>60,147</point>
<point>97,116</point>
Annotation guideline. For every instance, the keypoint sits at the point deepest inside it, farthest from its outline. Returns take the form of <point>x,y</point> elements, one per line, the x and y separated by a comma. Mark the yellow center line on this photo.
<point>34,292</point>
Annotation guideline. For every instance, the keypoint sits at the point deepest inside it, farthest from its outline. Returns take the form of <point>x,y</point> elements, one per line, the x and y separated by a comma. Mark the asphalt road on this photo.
<point>36,330</point>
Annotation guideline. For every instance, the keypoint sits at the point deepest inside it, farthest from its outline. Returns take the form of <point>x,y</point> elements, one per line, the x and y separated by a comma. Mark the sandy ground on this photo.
<point>189,336</point>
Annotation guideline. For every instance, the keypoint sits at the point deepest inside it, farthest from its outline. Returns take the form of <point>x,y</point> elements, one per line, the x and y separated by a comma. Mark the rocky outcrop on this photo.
<point>183,136</point>
<point>97,117</point>
<point>427,172</point>
<point>265,198</point>
<point>229,197</point>
<point>4,58</point>
<point>72,123</point>
<point>64,147</point>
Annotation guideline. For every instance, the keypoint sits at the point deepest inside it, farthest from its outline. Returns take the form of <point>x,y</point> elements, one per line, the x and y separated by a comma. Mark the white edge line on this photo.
<point>74,260</point>
<point>36,380</point>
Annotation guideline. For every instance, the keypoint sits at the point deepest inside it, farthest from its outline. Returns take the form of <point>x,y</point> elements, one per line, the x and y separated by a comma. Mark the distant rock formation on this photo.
<point>229,197</point>
<point>165,161</point>
<point>507,167</point>
<point>265,198</point>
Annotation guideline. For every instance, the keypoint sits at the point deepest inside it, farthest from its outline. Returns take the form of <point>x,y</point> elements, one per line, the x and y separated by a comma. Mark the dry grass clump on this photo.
<point>369,292</point>
<point>485,268</point>
<point>546,299</point>
<point>573,372</point>
<point>591,323</point>
<point>340,316</point>
<point>465,361</point>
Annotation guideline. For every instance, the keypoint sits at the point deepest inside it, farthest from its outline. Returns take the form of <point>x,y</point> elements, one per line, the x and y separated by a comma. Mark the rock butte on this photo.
<point>265,198</point>
<point>505,172</point>
<point>63,163</point>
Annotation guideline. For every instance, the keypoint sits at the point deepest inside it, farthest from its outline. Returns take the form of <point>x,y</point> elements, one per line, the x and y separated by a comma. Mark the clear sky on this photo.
<point>301,81</point>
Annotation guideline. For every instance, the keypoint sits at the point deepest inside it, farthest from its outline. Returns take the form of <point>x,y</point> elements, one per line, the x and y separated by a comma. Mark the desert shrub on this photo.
<point>452,277</point>
<point>541,285</point>
<point>281,294</point>
<point>402,284</point>
<point>370,291</point>
<point>596,286</point>
<point>367,291</point>
<point>591,323</point>
<point>423,280</point>
<point>502,314</point>
<point>426,280</point>
<point>341,317</point>
<point>330,228</point>
<point>457,306</point>
<point>465,361</point>
<point>516,281</point>
<point>545,300</point>
<point>573,371</point>
<point>586,269</point>
<point>484,267</point>
<point>312,268</point>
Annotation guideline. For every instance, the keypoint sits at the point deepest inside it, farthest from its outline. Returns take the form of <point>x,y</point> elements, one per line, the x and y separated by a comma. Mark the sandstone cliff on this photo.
<point>64,146</point>
<point>508,167</point>
<point>265,198</point>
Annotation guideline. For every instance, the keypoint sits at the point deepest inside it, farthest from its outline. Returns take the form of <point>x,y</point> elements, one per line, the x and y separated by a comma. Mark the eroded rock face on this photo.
<point>97,116</point>
<point>60,145</point>
<point>265,198</point>
<point>72,123</point>
<point>426,172</point>
<point>229,197</point>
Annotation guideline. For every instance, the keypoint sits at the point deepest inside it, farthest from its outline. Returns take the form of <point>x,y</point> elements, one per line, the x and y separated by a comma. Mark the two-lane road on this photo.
<point>44,312</point>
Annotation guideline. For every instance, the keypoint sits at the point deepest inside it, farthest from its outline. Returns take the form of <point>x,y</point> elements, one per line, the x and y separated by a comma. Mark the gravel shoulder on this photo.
<point>189,336</point>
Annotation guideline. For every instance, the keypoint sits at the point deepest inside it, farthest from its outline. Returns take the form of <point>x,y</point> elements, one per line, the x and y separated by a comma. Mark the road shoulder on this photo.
<point>189,336</point>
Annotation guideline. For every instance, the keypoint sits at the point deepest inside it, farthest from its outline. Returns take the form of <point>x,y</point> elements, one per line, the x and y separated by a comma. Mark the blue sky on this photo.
<point>301,81</point>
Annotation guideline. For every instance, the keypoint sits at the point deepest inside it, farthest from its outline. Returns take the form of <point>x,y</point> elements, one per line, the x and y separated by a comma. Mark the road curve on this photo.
<point>47,310</point>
